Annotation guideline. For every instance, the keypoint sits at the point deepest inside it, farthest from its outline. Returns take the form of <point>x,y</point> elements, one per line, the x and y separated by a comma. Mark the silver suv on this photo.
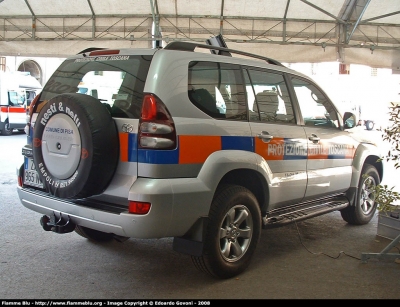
<point>207,148</point>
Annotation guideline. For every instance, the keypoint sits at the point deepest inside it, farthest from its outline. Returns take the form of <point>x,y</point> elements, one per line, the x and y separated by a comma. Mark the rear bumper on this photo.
<point>173,209</point>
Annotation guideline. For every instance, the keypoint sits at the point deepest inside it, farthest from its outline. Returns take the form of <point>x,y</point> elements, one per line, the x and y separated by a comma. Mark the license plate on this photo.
<point>31,176</point>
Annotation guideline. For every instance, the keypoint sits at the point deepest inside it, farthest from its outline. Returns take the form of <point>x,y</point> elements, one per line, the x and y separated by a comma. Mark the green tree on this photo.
<point>385,196</point>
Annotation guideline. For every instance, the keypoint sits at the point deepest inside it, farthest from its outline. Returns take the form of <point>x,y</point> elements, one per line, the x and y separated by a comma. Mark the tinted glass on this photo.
<point>316,108</point>
<point>217,89</point>
<point>118,82</point>
<point>268,98</point>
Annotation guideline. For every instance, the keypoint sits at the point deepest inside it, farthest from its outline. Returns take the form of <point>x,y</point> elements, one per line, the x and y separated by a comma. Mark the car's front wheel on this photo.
<point>369,124</point>
<point>232,233</point>
<point>362,211</point>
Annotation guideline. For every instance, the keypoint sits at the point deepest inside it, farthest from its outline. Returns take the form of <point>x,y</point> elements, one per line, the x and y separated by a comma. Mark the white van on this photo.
<point>17,90</point>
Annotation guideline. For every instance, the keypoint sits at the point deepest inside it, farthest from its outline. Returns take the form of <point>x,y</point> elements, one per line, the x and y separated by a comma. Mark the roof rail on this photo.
<point>188,46</point>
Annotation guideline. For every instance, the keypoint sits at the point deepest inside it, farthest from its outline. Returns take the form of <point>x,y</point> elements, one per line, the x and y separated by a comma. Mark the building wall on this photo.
<point>47,65</point>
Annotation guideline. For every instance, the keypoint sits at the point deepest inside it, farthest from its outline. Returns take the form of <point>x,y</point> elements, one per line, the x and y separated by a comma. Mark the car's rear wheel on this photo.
<point>232,233</point>
<point>364,207</point>
<point>6,130</point>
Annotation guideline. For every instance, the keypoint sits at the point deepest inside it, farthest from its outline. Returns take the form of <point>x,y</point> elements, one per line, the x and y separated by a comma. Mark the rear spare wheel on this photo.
<point>75,146</point>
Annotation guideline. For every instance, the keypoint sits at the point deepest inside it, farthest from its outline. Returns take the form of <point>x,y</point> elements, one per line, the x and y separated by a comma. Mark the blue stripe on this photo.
<point>292,146</point>
<point>132,147</point>
<point>336,156</point>
<point>158,156</point>
<point>237,142</point>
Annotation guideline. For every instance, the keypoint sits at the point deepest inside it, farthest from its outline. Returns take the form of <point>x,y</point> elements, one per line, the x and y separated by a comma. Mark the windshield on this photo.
<point>115,81</point>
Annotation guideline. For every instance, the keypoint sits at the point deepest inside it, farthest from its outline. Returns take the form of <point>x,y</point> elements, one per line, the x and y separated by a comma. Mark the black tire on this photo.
<point>6,130</point>
<point>75,146</point>
<point>369,124</point>
<point>93,235</point>
<point>232,233</point>
<point>363,210</point>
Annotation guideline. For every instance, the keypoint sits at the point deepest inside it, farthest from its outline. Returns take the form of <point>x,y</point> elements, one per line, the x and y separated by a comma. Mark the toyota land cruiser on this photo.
<point>207,148</point>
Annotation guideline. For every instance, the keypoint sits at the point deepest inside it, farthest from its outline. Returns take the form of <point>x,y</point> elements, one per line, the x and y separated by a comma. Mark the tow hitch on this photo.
<point>60,224</point>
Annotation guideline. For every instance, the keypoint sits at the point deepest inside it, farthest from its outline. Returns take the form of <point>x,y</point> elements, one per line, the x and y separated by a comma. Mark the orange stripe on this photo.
<point>274,150</point>
<point>196,149</point>
<point>350,152</point>
<point>123,146</point>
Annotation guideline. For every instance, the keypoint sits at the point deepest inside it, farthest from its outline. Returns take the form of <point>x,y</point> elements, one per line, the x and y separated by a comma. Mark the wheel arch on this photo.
<point>192,242</point>
<point>251,180</point>
<point>236,167</point>
<point>365,154</point>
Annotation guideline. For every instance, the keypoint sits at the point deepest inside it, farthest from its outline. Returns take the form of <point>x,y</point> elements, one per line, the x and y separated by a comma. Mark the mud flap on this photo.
<point>192,242</point>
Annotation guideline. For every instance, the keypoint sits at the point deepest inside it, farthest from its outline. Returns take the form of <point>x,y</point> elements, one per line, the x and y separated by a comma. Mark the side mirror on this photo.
<point>349,120</point>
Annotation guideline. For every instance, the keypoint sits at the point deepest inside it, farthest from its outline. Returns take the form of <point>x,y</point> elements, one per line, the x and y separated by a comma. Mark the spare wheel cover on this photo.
<point>75,146</point>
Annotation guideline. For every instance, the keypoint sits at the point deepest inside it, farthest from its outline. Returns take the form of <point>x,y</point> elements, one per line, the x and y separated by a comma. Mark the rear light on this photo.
<point>20,174</point>
<point>156,128</point>
<point>20,181</point>
<point>137,207</point>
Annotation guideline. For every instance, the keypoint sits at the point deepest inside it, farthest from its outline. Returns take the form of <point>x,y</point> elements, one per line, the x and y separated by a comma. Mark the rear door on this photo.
<point>278,137</point>
<point>118,82</point>
<point>16,110</point>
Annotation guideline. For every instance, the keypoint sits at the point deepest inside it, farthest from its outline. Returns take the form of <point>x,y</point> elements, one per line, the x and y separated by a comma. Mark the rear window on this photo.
<point>117,82</point>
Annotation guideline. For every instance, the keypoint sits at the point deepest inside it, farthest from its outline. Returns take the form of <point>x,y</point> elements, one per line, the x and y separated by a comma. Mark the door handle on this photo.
<point>265,136</point>
<point>314,138</point>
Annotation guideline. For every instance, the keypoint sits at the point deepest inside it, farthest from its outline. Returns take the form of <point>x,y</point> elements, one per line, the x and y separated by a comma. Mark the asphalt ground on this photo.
<point>314,259</point>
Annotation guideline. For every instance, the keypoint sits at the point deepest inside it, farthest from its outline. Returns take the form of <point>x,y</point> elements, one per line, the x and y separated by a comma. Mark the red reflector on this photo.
<point>20,181</point>
<point>137,207</point>
<point>104,52</point>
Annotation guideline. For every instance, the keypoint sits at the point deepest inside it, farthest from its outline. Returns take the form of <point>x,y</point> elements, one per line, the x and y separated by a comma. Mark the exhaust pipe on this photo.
<point>59,225</point>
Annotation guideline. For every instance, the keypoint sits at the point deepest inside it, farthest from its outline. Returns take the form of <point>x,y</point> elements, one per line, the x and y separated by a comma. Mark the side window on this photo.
<point>217,89</point>
<point>267,97</point>
<point>316,108</point>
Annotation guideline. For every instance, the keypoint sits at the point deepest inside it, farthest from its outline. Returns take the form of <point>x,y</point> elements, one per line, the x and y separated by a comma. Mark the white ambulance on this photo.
<point>17,90</point>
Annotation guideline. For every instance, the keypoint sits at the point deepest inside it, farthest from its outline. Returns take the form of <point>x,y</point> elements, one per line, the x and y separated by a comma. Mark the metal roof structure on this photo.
<point>350,31</point>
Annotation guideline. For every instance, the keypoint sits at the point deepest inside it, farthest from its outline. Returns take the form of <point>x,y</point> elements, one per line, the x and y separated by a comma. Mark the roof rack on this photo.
<point>187,46</point>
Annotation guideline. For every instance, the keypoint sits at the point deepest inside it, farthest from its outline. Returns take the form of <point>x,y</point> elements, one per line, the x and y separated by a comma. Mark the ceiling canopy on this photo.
<point>350,31</point>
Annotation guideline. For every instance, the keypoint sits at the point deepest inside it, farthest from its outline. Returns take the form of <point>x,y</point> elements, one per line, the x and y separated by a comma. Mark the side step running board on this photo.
<point>304,211</point>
